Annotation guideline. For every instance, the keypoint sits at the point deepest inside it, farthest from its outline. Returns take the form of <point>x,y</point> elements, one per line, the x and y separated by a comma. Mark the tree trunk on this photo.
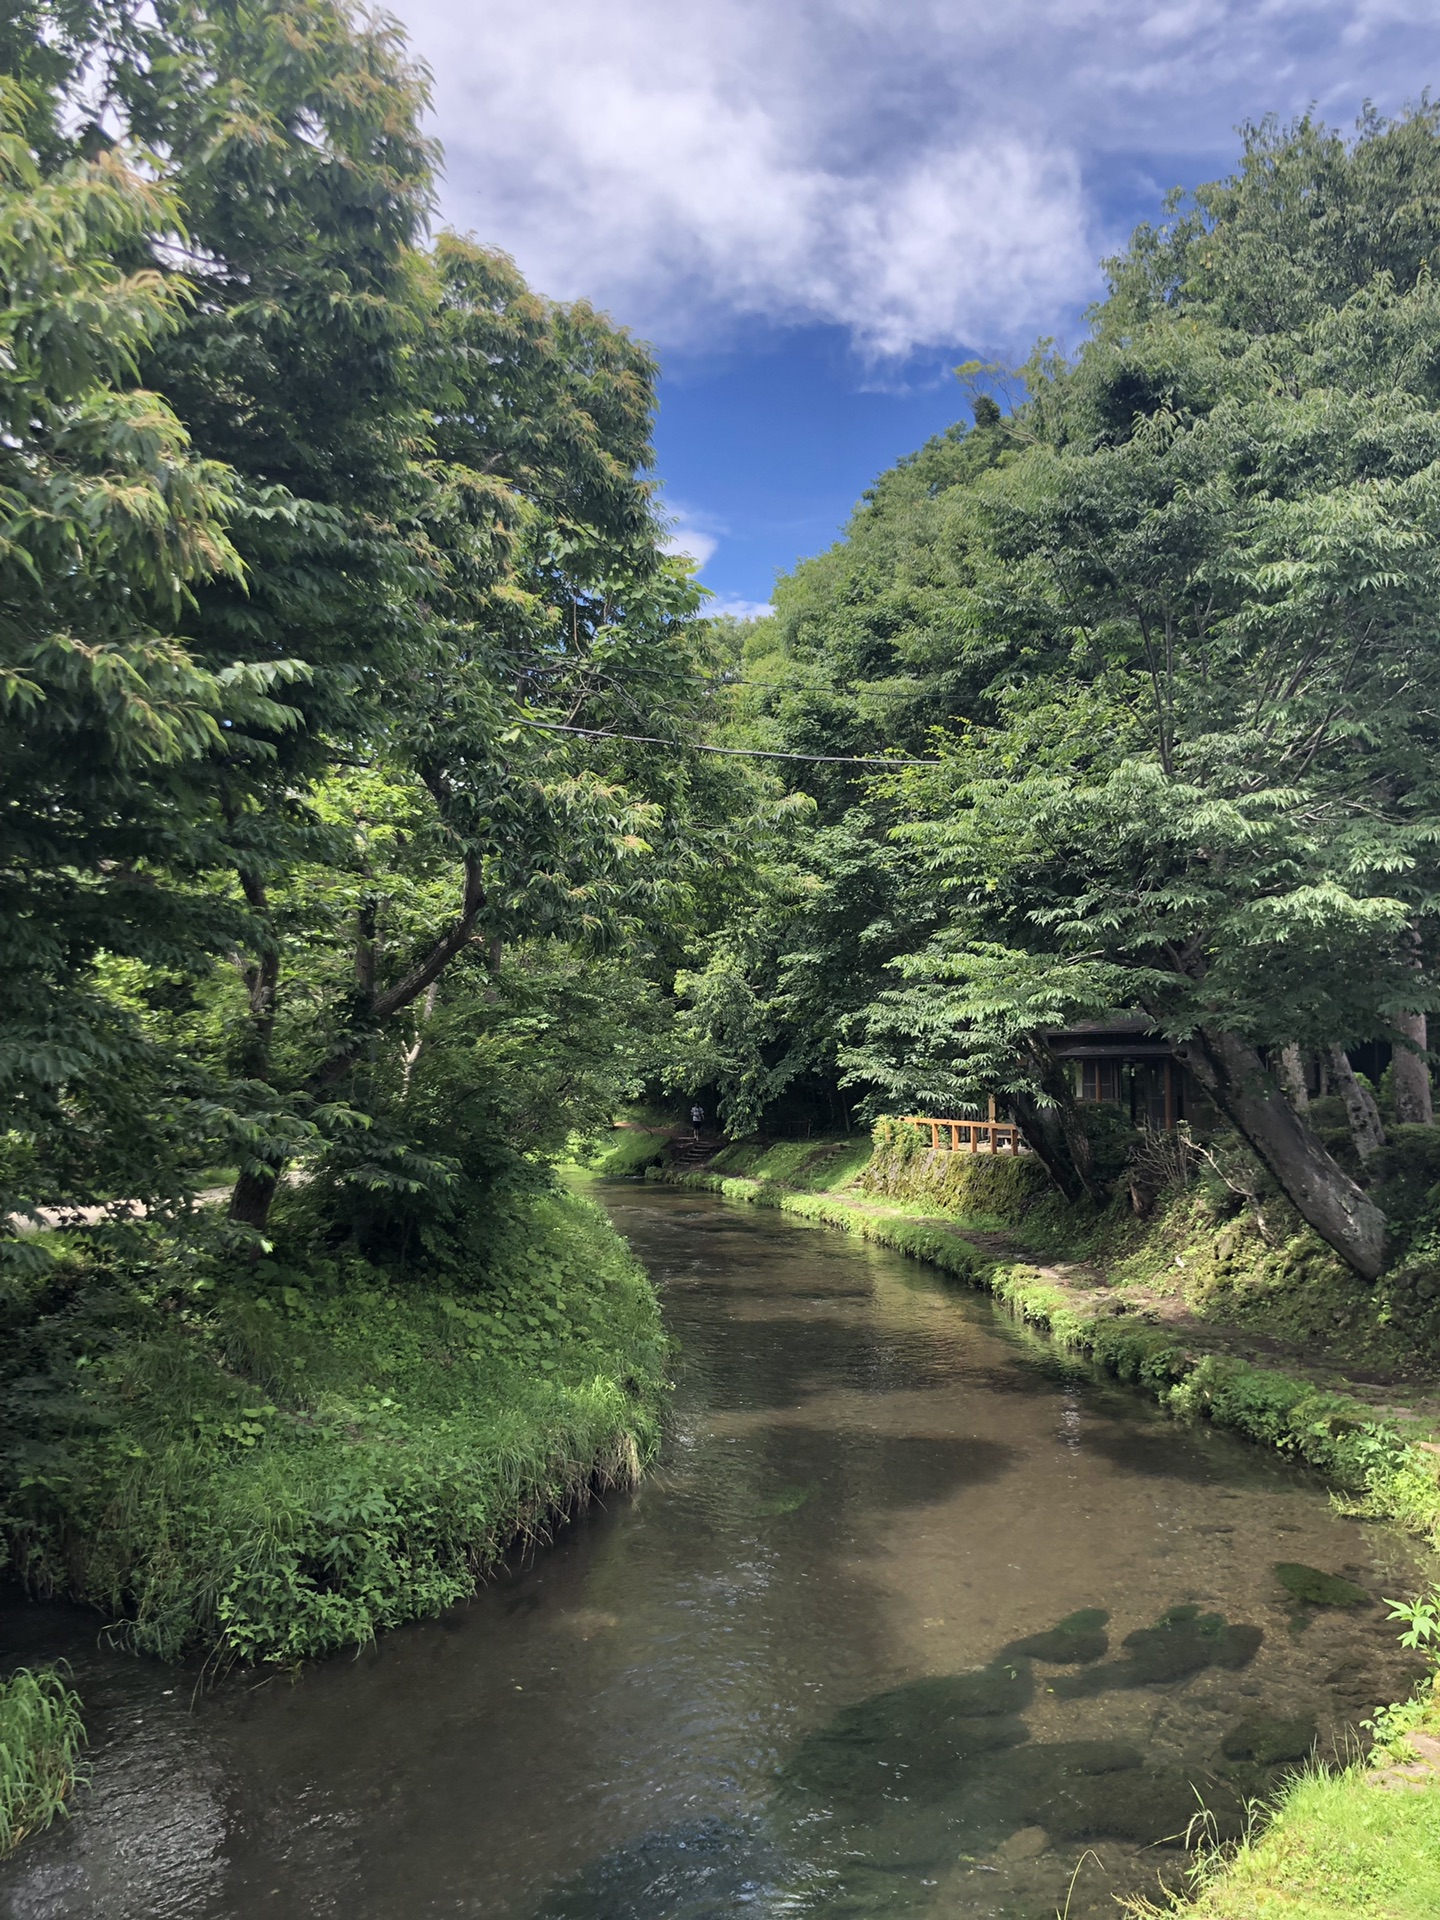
<point>385,1005</point>
<point>1046,1140</point>
<point>1341,1212</point>
<point>1414,1106</point>
<point>412,1052</point>
<point>1292,1077</point>
<point>1055,1132</point>
<point>1360,1108</point>
<point>250,1201</point>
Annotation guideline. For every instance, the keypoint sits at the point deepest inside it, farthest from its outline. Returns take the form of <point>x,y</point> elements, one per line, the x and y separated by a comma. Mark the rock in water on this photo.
<point>1028,1844</point>
<point>1267,1738</point>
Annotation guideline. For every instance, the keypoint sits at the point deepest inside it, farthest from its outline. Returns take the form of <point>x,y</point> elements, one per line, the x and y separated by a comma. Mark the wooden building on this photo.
<point>1125,1063</point>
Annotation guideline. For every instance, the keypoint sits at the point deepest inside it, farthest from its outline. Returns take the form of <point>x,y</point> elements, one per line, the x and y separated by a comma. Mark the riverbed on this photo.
<point>911,1618</point>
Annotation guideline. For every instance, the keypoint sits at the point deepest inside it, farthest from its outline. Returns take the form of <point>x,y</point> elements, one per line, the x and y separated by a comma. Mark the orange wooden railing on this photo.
<point>970,1136</point>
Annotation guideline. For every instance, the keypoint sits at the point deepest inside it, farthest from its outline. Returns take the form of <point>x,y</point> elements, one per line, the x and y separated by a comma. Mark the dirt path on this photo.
<point>47,1219</point>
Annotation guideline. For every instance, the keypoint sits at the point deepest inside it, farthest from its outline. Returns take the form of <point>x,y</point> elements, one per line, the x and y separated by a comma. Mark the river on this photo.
<point>911,1618</point>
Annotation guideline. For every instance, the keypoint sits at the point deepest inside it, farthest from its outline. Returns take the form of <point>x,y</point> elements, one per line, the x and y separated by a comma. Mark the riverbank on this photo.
<point>280,1466</point>
<point>1140,1298</point>
<point>1175,1309</point>
<point>1360,1844</point>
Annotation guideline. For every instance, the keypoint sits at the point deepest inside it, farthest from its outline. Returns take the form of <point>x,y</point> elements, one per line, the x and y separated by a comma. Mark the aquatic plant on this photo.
<point>41,1737</point>
<point>1317,1589</point>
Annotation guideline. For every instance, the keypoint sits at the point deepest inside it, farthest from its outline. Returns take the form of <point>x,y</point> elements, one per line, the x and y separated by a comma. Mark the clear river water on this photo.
<point>911,1619</point>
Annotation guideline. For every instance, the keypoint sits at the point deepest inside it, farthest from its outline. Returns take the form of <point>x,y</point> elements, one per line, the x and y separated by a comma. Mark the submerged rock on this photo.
<point>1074,1641</point>
<point>1319,1589</point>
<point>1267,1738</point>
<point>787,1500</point>
<point>1183,1641</point>
<point>1028,1844</point>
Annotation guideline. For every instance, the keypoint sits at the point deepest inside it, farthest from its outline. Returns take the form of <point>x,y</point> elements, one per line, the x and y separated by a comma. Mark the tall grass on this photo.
<point>41,1735</point>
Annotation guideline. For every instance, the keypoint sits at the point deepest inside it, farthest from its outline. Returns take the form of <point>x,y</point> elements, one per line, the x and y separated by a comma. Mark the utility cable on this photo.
<point>868,689</point>
<point>747,753</point>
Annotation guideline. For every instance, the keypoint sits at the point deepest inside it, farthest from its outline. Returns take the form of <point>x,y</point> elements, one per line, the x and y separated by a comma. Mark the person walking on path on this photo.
<point>697,1118</point>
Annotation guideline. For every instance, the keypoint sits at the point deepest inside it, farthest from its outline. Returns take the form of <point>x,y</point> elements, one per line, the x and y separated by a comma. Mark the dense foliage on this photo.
<point>1167,630</point>
<point>313,533</point>
<point>329,567</point>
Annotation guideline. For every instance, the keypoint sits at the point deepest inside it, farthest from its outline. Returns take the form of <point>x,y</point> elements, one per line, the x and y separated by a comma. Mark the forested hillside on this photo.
<point>1165,629</point>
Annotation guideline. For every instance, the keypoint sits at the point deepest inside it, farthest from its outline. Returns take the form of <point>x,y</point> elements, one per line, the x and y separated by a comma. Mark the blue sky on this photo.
<point>815,209</point>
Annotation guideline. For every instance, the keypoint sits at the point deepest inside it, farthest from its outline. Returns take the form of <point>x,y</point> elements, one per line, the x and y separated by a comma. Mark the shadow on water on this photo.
<point>874,1806</point>
<point>1161,1455</point>
<point>911,1616</point>
<point>913,1469</point>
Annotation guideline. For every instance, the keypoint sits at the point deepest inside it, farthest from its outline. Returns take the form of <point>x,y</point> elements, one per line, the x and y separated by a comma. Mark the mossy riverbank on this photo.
<point>1117,1291</point>
<point>279,1467</point>
<point>1173,1304</point>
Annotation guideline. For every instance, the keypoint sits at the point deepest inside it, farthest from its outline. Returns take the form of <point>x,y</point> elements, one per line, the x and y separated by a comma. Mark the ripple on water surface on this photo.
<point>910,1618</point>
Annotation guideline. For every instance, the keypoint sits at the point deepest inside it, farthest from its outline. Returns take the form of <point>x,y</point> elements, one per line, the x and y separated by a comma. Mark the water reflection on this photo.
<point>909,1618</point>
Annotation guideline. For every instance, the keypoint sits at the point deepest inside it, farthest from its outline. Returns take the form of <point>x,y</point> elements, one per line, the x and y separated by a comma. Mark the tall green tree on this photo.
<point>110,523</point>
<point>373,524</point>
<point>1200,779</point>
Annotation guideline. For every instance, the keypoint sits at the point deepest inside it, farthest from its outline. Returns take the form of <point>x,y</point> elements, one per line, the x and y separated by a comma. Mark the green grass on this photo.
<point>210,1177</point>
<point>628,1151</point>
<point>292,1461</point>
<point>809,1166</point>
<point>41,1736</point>
<point>1334,1847</point>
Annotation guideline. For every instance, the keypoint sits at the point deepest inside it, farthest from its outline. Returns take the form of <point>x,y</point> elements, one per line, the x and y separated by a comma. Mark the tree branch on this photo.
<point>441,954</point>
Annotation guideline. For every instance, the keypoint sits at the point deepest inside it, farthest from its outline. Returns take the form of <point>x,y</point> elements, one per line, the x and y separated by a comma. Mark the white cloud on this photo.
<point>739,609</point>
<point>688,540</point>
<point>691,531</point>
<point>921,171</point>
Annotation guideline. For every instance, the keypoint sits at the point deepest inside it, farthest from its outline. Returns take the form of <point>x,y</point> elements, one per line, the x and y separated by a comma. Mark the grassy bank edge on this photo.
<point>1334,1846</point>
<point>286,1470</point>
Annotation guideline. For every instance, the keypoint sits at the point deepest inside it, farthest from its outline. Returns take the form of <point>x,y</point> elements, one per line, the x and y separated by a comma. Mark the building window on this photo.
<point>1100,1080</point>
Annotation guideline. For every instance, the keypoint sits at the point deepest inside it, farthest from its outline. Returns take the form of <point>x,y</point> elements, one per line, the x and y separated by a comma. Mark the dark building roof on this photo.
<point>1130,1036</point>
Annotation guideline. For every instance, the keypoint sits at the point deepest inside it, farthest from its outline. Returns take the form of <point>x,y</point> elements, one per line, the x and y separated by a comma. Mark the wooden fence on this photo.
<point>970,1136</point>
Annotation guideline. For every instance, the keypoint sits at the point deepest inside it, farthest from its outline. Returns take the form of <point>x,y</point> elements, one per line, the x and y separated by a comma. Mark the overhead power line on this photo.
<point>744,753</point>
